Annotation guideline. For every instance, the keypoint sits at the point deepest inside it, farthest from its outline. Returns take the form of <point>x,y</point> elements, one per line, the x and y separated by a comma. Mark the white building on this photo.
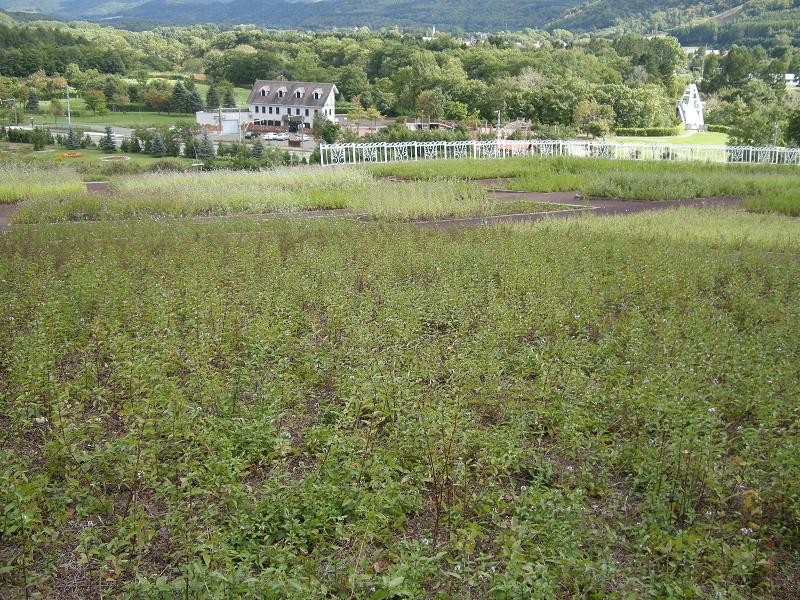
<point>791,80</point>
<point>281,103</point>
<point>276,104</point>
<point>691,108</point>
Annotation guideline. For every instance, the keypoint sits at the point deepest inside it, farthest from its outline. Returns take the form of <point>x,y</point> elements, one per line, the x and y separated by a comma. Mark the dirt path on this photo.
<point>593,207</point>
<point>6,210</point>
<point>97,187</point>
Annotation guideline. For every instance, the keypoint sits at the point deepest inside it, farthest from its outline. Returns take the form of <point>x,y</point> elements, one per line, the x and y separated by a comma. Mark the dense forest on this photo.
<point>712,22</point>
<point>559,83</point>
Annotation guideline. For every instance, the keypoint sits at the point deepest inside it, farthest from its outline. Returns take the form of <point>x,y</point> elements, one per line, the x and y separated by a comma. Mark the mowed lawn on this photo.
<point>130,119</point>
<point>702,138</point>
<point>598,408</point>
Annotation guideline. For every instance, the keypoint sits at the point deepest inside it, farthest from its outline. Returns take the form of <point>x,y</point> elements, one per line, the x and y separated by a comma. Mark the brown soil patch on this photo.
<point>6,212</point>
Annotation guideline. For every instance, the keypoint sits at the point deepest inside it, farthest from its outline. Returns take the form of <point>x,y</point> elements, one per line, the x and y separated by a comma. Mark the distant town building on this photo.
<point>691,108</point>
<point>275,104</point>
<point>791,80</point>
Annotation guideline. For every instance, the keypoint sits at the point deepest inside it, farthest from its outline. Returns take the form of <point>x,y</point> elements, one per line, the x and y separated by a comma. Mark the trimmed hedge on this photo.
<point>719,128</point>
<point>649,131</point>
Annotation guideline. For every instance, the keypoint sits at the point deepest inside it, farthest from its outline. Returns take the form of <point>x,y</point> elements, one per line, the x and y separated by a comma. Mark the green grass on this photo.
<point>131,120</point>
<point>587,408</point>
<point>767,188</point>
<point>281,191</point>
<point>702,138</point>
<point>21,181</point>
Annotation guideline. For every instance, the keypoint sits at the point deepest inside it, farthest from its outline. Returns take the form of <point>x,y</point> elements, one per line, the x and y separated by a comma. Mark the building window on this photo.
<point>298,94</point>
<point>270,110</point>
<point>263,93</point>
<point>280,93</point>
<point>316,95</point>
<point>306,112</point>
<point>297,111</point>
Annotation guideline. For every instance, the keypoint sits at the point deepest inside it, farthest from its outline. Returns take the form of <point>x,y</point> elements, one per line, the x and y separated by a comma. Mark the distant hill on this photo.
<point>692,21</point>
<point>470,15</point>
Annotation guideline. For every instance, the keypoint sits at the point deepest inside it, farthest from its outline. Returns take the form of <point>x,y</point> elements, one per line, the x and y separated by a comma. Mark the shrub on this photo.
<point>649,131</point>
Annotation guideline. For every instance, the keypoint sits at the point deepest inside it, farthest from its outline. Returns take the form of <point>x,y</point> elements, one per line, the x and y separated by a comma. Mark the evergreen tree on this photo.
<point>229,100</point>
<point>179,97</point>
<point>109,89</point>
<point>212,97</point>
<point>86,142</point>
<point>193,102</point>
<point>257,151</point>
<point>158,147</point>
<point>72,142</point>
<point>106,143</point>
<point>135,144</point>
<point>39,138</point>
<point>33,102</point>
<point>205,147</point>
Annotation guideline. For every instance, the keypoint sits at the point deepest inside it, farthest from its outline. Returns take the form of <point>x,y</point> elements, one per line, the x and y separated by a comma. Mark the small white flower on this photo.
<point>712,410</point>
<point>524,488</point>
<point>570,468</point>
<point>425,541</point>
<point>745,531</point>
<point>457,567</point>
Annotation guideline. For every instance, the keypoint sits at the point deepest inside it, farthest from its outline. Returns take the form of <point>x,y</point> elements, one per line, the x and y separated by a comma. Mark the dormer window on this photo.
<point>281,92</point>
<point>264,91</point>
<point>317,94</point>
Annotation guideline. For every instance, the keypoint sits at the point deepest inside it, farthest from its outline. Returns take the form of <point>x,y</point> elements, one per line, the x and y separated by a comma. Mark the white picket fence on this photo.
<point>382,152</point>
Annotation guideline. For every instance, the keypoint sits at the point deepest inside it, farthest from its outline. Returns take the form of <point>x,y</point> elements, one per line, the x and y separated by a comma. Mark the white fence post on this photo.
<point>333,154</point>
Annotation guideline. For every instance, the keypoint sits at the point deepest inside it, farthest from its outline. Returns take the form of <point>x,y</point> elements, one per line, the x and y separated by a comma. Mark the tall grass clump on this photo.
<point>24,181</point>
<point>766,187</point>
<point>421,200</point>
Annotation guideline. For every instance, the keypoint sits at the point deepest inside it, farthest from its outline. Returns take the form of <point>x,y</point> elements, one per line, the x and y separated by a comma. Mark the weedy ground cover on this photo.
<point>598,407</point>
<point>281,190</point>
<point>22,181</point>
<point>767,188</point>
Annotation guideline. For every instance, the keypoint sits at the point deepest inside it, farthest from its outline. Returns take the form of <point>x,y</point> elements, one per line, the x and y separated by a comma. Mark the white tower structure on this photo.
<point>691,107</point>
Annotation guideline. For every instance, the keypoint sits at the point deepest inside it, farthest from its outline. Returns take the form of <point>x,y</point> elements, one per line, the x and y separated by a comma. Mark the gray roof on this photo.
<point>289,98</point>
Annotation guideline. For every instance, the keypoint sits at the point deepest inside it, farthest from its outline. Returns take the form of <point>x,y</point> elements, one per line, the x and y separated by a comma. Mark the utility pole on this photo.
<point>69,113</point>
<point>774,135</point>
<point>498,125</point>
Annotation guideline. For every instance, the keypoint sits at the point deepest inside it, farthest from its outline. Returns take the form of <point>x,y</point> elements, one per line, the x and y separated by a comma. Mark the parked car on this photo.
<point>249,135</point>
<point>304,137</point>
<point>270,135</point>
<point>282,136</point>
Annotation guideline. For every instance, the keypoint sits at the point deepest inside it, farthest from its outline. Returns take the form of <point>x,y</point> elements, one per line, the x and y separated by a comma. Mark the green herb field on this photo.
<point>766,188</point>
<point>595,408</point>
<point>292,190</point>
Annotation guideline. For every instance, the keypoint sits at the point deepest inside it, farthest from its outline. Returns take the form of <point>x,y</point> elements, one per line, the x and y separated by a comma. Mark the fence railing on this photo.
<point>382,152</point>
